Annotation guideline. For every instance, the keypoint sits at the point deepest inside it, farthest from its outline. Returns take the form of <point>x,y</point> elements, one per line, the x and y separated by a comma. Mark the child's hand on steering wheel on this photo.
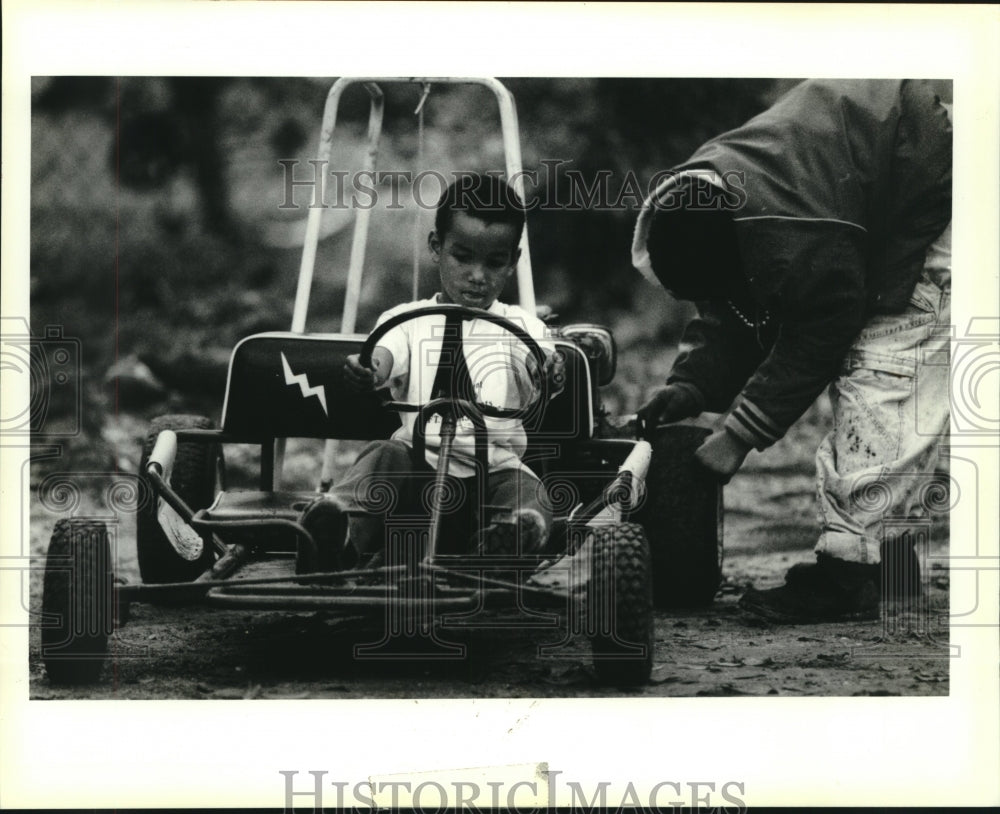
<point>555,372</point>
<point>358,378</point>
<point>363,379</point>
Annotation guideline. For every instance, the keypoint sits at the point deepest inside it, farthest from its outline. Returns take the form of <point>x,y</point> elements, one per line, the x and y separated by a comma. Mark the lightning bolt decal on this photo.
<point>303,382</point>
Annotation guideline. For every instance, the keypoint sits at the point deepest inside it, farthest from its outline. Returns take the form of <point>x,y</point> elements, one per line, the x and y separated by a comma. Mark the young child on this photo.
<point>474,245</point>
<point>813,239</point>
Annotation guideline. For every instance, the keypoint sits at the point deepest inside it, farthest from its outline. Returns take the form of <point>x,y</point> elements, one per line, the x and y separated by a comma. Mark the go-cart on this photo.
<point>635,522</point>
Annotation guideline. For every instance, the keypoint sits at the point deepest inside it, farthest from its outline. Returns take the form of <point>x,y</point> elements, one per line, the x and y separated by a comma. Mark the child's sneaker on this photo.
<point>327,524</point>
<point>829,590</point>
<point>523,533</point>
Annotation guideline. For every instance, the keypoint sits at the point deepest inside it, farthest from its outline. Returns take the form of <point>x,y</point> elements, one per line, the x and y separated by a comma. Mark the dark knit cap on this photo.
<point>693,247</point>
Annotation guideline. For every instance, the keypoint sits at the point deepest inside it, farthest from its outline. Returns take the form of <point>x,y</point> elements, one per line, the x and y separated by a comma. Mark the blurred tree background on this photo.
<point>158,235</point>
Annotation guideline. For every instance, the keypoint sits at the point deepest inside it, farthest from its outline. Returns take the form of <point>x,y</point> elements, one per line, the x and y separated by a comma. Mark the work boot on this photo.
<point>829,590</point>
<point>327,524</point>
<point>900,569</point>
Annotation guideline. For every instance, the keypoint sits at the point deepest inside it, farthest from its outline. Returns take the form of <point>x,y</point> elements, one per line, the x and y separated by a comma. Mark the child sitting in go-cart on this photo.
<point>474,244</point>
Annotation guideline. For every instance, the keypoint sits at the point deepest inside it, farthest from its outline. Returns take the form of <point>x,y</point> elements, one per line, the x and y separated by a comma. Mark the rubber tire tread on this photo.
<point>682,516</point>
<point>620,582</point>
<point>78,592</point>
<point>193,478</point>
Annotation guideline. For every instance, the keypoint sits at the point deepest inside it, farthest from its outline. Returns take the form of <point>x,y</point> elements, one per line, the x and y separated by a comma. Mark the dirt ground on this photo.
<point>191,653</point>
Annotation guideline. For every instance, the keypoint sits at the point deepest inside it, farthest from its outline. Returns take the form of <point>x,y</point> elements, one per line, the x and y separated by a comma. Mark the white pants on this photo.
<point>891,420</point>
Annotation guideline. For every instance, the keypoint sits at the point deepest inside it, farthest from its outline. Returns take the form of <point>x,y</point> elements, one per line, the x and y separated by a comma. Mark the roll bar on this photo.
<point>512,156</point>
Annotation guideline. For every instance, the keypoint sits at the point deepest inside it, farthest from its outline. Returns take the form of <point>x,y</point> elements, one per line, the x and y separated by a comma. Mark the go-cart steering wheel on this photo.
<point>463,314</point>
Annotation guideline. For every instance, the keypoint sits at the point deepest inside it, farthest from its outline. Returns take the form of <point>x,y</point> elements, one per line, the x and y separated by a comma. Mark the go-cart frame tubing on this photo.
<point>213,585</point>
<point>263,592</point>
<point>159,468</point>
<point>622,496</point>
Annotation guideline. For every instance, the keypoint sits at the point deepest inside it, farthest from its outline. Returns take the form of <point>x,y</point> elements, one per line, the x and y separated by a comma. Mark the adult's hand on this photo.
<point>722,454</point>
<point>669,403</point>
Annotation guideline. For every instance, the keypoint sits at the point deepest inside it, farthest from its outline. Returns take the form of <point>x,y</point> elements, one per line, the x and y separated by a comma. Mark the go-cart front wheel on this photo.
<point>197,476</point>
<point>77,602</point>
<point>620,606</point>
<point>682,516</point>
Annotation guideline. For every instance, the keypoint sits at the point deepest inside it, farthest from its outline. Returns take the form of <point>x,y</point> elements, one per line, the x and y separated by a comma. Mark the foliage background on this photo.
<point>158,237</point>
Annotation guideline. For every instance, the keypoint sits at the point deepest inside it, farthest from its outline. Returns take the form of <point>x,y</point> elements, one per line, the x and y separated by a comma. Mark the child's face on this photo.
<point>475,259</point>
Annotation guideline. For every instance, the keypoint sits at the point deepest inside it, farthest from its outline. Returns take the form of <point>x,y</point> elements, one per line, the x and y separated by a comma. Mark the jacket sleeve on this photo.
<point>718,354</point>
<point>822,310</point>
<point>918,194</point>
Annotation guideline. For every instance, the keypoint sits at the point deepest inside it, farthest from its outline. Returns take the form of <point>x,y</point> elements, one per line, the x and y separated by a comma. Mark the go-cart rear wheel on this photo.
<point>682,516</point>
<point>620,606</point>
<point>197,475</point>
<point>77,601</point>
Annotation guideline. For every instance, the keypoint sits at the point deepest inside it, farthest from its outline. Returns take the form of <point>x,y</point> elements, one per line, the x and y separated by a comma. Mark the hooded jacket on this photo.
<point>836,192</point>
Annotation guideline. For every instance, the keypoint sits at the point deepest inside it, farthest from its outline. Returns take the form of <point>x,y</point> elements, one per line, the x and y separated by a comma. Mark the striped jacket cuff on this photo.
<point>749,424</point>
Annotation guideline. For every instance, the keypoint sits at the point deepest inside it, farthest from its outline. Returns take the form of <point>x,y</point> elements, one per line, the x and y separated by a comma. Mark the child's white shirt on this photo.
<point>495,359</point>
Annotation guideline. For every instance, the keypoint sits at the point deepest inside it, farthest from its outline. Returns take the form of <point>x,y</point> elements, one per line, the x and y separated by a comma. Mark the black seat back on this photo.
<point>569,416</point>
<point>289,385</point>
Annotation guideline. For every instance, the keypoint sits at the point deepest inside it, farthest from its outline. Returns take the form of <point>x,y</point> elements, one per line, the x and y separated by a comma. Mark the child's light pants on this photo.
<point>385,483</point>
<point>891,418</point>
